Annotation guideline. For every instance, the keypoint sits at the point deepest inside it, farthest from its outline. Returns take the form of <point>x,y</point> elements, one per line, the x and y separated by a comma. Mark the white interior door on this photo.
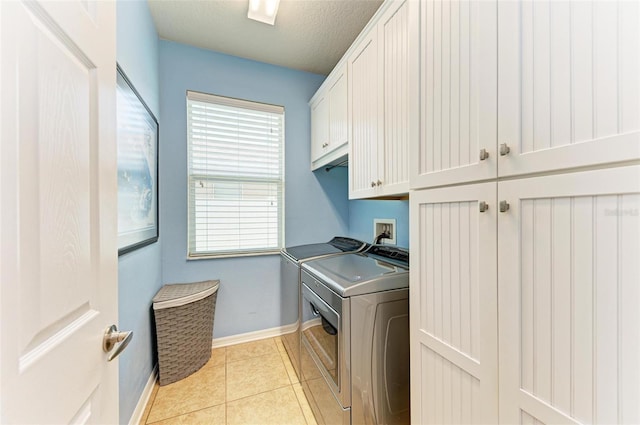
<point>453,305</point>
<point>58,222</point>
<point>568,275</point>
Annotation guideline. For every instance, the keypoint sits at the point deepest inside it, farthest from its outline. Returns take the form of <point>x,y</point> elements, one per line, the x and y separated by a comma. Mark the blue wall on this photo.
<point>363,212</point>
<point>316,204</point>
<point>139,272</point>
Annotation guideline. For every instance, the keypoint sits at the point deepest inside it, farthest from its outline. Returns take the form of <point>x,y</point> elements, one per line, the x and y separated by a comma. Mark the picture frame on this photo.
<point>137,138</point>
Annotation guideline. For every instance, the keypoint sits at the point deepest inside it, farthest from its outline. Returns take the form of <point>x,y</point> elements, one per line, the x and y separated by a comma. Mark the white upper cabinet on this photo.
<point>569,87</point>
<point>458,94</point>
<point>379,94</point>
<point>338,136</point>
<point>329,135</point>
<point>565,92</point>
<point>364,124</point>
<point>319,126</point>
<point>394,49</point>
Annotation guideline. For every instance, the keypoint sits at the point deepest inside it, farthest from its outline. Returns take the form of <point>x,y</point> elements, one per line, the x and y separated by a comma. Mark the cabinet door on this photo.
<point>458,93</point>
<point>453,306</point>
<point>319,127</point>
<point>364,117</point>
<point>338,134</point>
<point>568,288</point>
<point>569,89</point>
<point>395,56</point>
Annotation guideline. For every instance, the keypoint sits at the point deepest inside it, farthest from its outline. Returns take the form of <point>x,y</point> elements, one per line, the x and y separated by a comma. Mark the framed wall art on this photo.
<point>137,168</point>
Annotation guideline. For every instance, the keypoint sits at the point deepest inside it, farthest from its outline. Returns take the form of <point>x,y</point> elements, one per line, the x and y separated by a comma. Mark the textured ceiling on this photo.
<point>309,35</point>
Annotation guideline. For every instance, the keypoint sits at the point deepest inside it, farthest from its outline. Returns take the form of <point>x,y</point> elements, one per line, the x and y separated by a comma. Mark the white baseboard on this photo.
<point>252,336</point>
<point>136,416</point>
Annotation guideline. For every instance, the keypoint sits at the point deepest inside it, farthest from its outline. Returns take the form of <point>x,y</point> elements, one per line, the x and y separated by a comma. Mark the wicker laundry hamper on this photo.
<point>184,326</point>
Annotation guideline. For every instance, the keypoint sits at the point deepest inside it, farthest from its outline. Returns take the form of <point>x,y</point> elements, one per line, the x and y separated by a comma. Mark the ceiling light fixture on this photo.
<point>263,10</point>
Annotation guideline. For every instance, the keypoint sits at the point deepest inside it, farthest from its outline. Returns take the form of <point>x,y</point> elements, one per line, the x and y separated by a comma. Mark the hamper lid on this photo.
<point>176,295</point>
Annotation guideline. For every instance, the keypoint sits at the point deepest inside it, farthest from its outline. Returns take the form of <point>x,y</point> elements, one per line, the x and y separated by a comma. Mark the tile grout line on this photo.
<point>226,402</point>
<point>154,397</point>
<point>295,393</point>
<point>186,413</point>
<point>260,393</point>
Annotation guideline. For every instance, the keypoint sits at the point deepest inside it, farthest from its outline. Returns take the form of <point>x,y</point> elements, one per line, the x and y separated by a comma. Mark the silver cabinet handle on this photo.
<point>483,154</point>
<point>112,338</point>
<point>504,149</point>
<point>373,184</point>
<point>378,183</point>
<point>504,206</point>
<point>483,206</point>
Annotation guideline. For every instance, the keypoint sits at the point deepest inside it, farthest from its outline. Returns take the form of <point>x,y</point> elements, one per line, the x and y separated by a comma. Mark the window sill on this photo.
<point>231,255</point>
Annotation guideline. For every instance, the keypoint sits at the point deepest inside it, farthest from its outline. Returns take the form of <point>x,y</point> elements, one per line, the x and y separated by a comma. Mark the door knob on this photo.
<point>112,338</point>
<point>483,154</point>
<point>483,206</point>
<point>504,206</point>
<point>373,184</point>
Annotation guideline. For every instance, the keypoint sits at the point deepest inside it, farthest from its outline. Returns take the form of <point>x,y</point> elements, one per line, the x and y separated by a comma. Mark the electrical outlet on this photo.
<point>387,225</point>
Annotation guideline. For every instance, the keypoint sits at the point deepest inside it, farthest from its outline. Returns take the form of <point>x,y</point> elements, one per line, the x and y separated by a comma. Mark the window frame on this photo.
<point>191,200</point>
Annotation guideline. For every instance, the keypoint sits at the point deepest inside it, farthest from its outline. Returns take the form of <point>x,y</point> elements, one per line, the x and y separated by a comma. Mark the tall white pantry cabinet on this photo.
<point>525,213</point>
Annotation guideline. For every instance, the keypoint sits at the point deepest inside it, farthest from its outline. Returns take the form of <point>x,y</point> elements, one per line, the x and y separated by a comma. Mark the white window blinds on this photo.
<point>236,176</point>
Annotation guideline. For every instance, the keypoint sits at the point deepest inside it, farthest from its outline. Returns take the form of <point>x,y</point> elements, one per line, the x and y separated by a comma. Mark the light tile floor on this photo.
<point>252,383</point>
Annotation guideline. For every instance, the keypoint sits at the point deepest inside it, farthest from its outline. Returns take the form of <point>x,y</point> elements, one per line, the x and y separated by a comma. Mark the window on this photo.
<point>236,176</point>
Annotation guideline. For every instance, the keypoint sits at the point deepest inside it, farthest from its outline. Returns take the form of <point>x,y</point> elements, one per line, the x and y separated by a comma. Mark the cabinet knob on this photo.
<point>504,149</point>
<point>378,183</point>
<point>483,206</point>
<point>504,206</point>
<point>483,154</point>
<point>373,184</point>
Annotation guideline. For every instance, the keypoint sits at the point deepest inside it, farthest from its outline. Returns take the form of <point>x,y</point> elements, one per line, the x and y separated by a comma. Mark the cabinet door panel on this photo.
<point>319,128</point>
<point>454,305</point>
<point>394,51</point>
<point>458,96</point>
<point>569,88</point>
<point>364,102</point>
<point>329,121</point>
<point>568,289</point>
<point>338,112</point>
